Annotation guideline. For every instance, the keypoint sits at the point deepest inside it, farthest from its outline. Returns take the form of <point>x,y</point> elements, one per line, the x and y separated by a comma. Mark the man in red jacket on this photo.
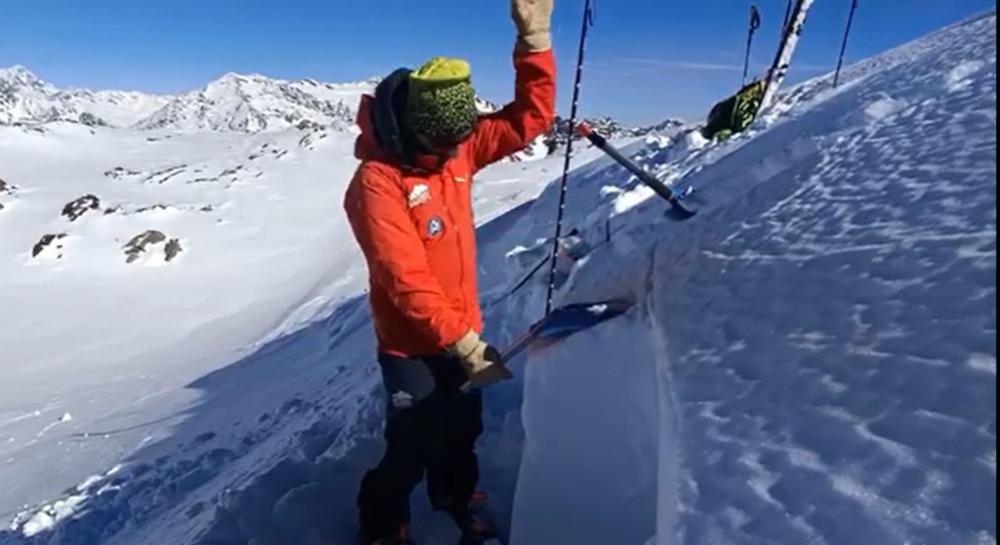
<point>409,206</point>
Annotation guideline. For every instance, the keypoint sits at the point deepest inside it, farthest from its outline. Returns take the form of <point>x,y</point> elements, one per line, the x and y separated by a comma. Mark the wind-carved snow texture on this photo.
<point>865,407</point>
<point>833,341</point>
<point>827,323</point>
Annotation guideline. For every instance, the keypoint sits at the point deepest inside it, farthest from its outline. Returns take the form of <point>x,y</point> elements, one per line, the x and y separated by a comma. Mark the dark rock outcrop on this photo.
<point>118,173</point>
<point>142,243</point>
<point>172,248</point>
<point>45,242</point>
<point>74,209</point>
<point>91,120</point>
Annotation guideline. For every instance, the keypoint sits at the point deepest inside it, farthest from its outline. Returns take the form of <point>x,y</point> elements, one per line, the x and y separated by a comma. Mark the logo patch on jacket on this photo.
<point>402,400</point>
<point>434,226</point>
<point>420,194</point>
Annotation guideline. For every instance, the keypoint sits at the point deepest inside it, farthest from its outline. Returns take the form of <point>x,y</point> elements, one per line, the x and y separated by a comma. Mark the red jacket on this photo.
<point>414,222</point>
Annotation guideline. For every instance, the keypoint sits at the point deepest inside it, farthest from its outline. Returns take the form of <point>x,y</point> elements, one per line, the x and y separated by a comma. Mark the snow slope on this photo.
<point>114,343</point>
<point>811,359</point>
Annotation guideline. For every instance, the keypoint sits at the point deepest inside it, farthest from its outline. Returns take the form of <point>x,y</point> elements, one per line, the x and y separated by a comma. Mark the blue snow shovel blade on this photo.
<point>682,205</point>
<point>565,321</point>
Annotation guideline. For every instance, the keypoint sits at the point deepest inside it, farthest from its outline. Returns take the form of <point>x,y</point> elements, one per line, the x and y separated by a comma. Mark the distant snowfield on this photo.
<point>114,342</point>
<point>812,359</point>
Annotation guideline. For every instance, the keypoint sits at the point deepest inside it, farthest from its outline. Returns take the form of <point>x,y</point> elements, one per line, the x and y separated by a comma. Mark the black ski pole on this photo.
<point>588,20</point>
<point>754,25</point>
<point>680,210</point>
<point>788,15</point>
<point>843,45</point>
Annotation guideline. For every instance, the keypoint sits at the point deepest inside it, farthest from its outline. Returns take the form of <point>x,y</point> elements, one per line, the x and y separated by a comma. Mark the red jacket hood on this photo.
<point>382,137</point>
<point>366,147</point>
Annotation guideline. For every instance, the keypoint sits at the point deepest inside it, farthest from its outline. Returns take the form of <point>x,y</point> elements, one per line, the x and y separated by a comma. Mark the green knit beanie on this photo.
<point>441,104</point>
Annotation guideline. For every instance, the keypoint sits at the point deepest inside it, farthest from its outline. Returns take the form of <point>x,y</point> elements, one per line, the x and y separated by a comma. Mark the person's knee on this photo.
<point>408,381</point>
<point>470,417</point>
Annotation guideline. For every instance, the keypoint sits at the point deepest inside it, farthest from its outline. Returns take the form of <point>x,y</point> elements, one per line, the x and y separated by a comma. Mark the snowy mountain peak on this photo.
<point>234,76</point>
<point>229,83</point>
<point>19,74</point>
<point>27,99</point>
<point>235,81</point>
<point>254,103</point>
<point>233,102</point>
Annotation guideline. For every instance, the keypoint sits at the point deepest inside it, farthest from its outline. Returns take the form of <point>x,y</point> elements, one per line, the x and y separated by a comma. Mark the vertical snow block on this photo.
<point>589,469</point>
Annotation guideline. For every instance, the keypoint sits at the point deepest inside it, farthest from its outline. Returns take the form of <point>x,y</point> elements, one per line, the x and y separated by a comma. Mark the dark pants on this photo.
<point>431,427</point>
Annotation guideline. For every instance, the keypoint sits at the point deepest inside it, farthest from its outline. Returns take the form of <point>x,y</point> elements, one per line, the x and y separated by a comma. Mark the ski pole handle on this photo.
<point>678,210</point>
<point>656,185</point>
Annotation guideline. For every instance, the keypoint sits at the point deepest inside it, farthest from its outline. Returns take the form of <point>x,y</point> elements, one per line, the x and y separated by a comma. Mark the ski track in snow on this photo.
<point>811,360</point>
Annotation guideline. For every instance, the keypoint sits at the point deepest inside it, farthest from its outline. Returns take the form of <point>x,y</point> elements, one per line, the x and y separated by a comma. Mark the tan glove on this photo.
<point>482,363</point>
<point>533,21</point>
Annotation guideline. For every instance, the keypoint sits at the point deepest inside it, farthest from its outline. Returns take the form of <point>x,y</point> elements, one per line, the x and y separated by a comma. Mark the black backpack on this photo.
<point>736,113</point>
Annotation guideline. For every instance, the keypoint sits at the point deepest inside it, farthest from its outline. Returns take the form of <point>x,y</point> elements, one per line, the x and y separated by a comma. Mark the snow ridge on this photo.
<point>26,99</point>
<point>234,103</point>
<point>243,103</point>
<point>254,103</point>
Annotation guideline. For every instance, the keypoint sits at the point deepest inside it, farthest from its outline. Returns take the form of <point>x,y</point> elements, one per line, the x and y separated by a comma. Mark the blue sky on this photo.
<point>649,59</point>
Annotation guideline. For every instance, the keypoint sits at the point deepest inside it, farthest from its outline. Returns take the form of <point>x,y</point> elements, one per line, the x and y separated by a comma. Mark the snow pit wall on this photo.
<point>593,433</point>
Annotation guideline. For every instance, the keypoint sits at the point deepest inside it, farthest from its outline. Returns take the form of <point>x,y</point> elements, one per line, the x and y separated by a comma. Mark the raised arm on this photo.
<point>533,109</point>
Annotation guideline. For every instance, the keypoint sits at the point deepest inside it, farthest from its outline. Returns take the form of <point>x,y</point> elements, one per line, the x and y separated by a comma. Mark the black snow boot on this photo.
<point>474,522</point>
<point>402,538</point>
